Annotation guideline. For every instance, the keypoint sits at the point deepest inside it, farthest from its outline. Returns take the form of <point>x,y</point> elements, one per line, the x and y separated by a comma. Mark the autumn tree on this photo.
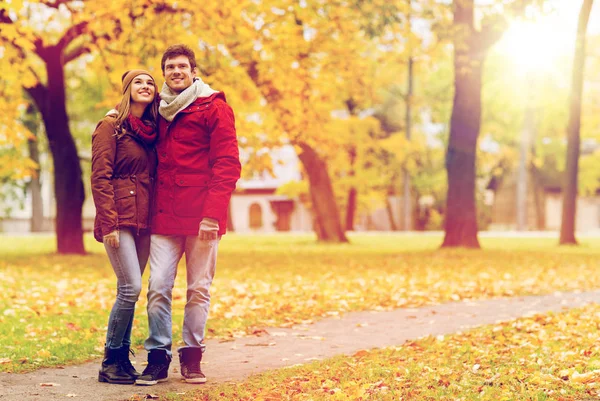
<point>301,56</point>
<point>305,60</point>
<point>38,58</point>
<point>471,46</point>
<point>567,229</point>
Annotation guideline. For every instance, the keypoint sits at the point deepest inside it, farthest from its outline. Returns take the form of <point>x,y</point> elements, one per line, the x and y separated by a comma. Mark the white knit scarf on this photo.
<point>172,102</point>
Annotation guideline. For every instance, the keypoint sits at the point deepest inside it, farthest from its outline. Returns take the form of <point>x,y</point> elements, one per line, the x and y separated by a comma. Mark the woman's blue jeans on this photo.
<point>128,261</point>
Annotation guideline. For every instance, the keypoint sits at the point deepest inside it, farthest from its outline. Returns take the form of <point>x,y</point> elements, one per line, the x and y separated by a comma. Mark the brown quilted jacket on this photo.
<point>122,180</point>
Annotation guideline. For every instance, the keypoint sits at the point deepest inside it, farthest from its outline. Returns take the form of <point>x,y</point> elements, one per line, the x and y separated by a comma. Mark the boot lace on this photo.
<point>127,363</point>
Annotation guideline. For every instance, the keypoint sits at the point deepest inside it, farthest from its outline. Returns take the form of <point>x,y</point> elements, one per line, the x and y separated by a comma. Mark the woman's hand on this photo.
<point>112,239</point>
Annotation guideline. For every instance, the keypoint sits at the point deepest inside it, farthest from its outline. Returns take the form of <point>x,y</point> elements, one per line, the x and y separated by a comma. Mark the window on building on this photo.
<point>256,220</point>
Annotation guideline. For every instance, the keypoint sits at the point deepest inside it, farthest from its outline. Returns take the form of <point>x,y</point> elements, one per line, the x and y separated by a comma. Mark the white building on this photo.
<point>255,205</point>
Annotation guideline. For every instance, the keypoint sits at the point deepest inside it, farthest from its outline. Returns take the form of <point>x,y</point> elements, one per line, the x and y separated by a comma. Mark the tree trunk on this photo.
<point>31,121</point>
<point>68,184</point>
<point>523,170</point>
<point>569,210</point>
<point>540,211</point>
<point>406,197</point>
<point>351,209</point>
<point>35,187</point>
<point>461,213</point>
<point>326,214</point>
<point>390,213</point>
<point>352,193</point>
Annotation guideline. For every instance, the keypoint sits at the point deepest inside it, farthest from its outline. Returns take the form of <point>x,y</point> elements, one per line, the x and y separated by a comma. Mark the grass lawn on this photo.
<point>544,357</point>
<point>49,303</point>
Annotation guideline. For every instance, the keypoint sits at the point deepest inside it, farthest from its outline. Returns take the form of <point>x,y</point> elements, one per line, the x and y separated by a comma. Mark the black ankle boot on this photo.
<point>112,370</point>
<point>127,366</point>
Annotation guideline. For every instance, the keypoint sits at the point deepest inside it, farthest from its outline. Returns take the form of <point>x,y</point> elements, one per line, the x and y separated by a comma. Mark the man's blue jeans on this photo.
<point>128,261</point>
<point>201,261</point>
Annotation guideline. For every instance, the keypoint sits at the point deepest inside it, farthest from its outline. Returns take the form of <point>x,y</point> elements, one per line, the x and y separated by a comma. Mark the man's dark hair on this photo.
<point>178,50</point>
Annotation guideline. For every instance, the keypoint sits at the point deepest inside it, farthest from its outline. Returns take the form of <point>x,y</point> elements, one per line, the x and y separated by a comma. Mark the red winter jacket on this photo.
<point>198,167</point>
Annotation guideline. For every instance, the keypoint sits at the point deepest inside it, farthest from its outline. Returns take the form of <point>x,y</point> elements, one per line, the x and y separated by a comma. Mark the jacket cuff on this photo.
<point>109,229</point>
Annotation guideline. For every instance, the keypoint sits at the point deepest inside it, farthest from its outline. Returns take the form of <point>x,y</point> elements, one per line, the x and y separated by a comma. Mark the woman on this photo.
<point>123,167</point>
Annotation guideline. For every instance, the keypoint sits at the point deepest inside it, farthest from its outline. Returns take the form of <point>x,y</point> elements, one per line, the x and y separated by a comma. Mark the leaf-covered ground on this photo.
<point>544,357</point>
<point>49,303</point>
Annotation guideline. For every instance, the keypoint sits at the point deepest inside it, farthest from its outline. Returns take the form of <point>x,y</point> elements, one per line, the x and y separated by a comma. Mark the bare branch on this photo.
<point>76,53</point>
<point>72,33</point>
<point>4,17</point>
<point>37,77</point>
<point>55,4</point>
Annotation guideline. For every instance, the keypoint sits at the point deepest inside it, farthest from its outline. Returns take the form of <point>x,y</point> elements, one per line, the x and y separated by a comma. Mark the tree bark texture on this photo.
<point>461,212</point>
<point>327,219</point>
<point>68,183</point>
<point>569,208</point>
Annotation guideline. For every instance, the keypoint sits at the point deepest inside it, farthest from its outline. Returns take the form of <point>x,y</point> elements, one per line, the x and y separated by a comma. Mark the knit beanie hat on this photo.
<point>128,76</point>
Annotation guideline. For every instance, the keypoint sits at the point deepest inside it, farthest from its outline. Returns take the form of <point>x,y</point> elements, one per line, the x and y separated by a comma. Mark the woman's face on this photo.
<point>142,89</point>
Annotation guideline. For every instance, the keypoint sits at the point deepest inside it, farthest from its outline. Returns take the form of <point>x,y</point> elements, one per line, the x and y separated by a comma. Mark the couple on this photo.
<point>168,168</point>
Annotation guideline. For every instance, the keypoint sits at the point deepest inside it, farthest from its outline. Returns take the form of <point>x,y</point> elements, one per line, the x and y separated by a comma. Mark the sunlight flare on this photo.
<point>536,46</point>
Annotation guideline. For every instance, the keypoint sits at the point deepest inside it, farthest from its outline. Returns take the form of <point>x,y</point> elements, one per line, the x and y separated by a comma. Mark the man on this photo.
<point>198,167</point>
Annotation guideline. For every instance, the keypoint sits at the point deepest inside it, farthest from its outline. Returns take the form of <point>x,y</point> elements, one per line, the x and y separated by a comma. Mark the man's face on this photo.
<point>178,73</point>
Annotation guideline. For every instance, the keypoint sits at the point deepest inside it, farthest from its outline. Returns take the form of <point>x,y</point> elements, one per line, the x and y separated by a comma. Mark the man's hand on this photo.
<point>112,239</point>
<point>209,229</point>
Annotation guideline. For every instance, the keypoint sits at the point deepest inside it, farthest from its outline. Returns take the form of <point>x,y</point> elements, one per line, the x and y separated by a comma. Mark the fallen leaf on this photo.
<point>588,377</point>
<point>49,384</point>
<point>361,353</point>
<point>73,327</point>
<point>5,360</point>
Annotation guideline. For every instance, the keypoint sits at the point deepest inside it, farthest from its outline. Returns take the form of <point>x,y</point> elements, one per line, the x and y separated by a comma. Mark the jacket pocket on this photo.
<point>125,202</point>
<point>190,193</point>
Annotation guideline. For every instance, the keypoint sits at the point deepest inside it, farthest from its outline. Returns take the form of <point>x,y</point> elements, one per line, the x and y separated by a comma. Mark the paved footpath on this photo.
<point>276,348</point>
